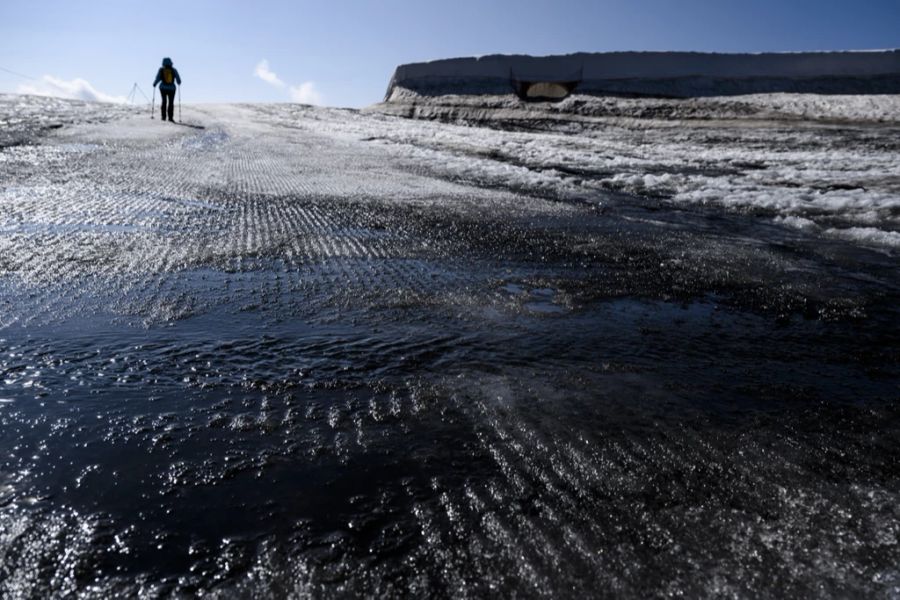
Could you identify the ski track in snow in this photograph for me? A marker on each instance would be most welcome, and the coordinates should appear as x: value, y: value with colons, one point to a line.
x: 316, y: 352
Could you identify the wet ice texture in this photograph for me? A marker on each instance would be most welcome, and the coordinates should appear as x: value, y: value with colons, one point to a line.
x: 316, y: 352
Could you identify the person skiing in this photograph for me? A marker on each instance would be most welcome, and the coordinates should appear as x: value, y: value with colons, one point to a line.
x: 166, y: 77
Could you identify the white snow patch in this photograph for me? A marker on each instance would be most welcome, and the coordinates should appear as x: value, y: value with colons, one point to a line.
x: 867, y: 235
x: 797, y: 223
x: 263, y: 71
x: 76, y: 89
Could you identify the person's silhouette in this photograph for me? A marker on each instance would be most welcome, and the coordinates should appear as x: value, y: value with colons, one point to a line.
x: 167, y: 77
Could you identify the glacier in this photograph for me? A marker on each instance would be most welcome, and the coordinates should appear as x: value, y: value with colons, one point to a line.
x: 451, y: 346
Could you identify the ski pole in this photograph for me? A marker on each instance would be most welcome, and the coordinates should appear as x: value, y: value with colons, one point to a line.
x: 153, y: 103
x: 179, y: 104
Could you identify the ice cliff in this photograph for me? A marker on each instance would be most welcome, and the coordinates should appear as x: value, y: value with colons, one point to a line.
x: 657, y: 74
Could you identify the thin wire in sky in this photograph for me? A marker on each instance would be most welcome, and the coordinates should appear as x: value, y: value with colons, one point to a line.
x: 17, y: 74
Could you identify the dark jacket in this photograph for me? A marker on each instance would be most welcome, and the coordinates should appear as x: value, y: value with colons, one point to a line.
x: 167, y: 64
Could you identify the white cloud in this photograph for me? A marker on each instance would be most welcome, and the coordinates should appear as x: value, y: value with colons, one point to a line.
x: 306, y: 93
x: 77, y: 89
x: 263, y: 72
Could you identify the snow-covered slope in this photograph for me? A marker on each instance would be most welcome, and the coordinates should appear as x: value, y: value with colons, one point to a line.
x: 24, y: 117
x: 822, y: 164
x: 672, y: 74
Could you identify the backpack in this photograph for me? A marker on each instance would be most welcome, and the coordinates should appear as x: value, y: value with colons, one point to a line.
x: 168, y: 76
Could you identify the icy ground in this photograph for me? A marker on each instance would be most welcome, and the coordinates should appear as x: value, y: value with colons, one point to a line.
x: 625, y: 348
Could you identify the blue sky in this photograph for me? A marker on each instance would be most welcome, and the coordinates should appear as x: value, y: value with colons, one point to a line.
x: 343, y: 52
